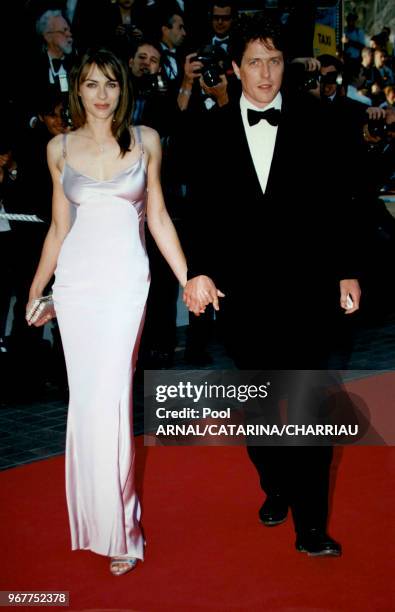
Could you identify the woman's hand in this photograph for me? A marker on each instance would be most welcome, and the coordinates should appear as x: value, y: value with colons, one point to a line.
x: 45, y: 317
x: 199, y: 292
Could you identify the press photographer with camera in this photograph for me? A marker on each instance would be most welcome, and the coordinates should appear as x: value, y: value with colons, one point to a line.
x: 204, y: 83
x: 379, y: 137
x: 125, y: 25
x: 157, y: 108
x: 150, y: 86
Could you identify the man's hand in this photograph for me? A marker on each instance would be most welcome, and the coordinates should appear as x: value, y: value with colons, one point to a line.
x: 350, y: 287
x: 199, y: 292
x: 375, y: 113
x: 311, y: 64
x: 218, y: 92
x: 192, y: 68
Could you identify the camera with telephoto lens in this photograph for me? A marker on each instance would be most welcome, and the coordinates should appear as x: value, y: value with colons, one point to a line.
x: 310, y: 80
x: 212, y: 58
x: 302, y: 79
x: 151, y: 84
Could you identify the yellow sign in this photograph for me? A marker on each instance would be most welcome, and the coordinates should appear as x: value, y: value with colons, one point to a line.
x: 324, y: 40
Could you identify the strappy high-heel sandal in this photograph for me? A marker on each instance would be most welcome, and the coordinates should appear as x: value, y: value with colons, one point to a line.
x: 128, y: 563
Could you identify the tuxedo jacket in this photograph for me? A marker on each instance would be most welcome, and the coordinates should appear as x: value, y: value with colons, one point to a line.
x: 294, y: 242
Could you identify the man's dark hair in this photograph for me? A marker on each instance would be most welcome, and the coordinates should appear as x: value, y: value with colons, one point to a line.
x: 145, y: 41
x: 260, y: 27
x: 222, y: 4
x: 330, y: 60
x: 166, y: 15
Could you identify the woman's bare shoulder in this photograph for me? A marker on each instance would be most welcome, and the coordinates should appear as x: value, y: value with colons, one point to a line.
x: 150, y: 138
x: 55, y: 151
x: 55, y: 145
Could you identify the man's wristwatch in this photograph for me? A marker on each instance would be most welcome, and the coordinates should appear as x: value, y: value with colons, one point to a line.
x: 13, y: 174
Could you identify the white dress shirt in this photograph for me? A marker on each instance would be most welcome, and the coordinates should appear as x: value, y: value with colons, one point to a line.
x: 261, y: 138
x: 221, y: 42
x: 170, y: 66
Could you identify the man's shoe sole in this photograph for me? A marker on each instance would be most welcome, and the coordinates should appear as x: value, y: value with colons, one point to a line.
x: 321, y: 553
x: 273, y: 523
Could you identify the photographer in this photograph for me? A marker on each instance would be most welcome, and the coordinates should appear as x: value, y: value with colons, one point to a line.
x: 379, y: 137
x: 222, y: 14
x: 152, y: 106
x: 204, y: 84
x: 125, y: 25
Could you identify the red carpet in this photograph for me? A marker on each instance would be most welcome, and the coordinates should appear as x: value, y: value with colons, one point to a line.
x: 206, y: 549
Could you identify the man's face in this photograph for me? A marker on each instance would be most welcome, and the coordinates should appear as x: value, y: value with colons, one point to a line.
x: 261, y: 72
x: 379, y: 59
x: 54, y: 121
x: 146, y: 59
x: 174, y: 36
x: 58, y: 37
x: 367, y: 57
x: 221, y: 20
x: 327, y: 89
x: 390, y: 96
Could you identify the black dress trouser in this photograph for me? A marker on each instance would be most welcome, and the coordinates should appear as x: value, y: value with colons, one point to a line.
x: 300, y: 474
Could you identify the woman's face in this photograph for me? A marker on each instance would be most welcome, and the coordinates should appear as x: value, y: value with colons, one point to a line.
x: 54, y: 121
x: 99, y: 93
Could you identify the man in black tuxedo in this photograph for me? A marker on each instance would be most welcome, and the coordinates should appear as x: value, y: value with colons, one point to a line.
x: 49, y: 66
x: 272, y: 230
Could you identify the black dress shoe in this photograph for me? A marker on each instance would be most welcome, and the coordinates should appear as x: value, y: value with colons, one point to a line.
x: 317, y: 543
x: 274, y: 511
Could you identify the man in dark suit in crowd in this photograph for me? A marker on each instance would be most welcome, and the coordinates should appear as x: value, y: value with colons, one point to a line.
x: 54, y: 63
x: 49, y: 66
x: 272, y: 230
x: 173, y: 34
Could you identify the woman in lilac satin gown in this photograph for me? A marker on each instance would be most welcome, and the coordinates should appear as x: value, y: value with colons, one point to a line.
x: 105, y: 181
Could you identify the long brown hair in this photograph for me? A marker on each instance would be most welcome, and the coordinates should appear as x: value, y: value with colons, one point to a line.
x: 113, y: 68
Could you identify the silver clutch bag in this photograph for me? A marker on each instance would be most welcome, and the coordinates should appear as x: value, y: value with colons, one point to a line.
x: 41, y: 307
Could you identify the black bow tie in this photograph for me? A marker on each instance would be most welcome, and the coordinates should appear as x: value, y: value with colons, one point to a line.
x: 56, y: 64
x: 272, y: 116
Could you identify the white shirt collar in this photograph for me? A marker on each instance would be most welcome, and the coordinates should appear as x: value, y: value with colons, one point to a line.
x: 217, y: 39
x: 275, y: 103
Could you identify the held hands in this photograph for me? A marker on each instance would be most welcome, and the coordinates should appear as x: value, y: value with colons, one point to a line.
x: 350, y: 288
x: 199, y: 292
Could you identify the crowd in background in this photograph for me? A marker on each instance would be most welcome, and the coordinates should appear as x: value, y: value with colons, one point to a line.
x: 178, y: 56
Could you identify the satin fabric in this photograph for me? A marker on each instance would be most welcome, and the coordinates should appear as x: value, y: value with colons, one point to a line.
x: 101, y: 287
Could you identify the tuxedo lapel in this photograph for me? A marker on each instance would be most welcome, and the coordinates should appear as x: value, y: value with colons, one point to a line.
x: 277, y: 165
x: 245, y: 164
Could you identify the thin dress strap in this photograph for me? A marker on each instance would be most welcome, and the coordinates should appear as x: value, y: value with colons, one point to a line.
x: 139, y: 140
x: 64, y: 150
